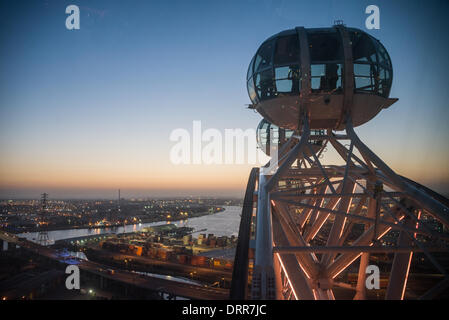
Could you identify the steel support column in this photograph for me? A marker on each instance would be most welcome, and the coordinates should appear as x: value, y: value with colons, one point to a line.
x: 263, y: 277
x: 400, y: 268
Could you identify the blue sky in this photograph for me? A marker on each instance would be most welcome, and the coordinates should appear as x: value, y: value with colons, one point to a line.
x: 101, y: 101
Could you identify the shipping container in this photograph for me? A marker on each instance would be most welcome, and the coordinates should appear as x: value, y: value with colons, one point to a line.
x: 138, y: 250
x: 182, y: 258
x: 202, y: 261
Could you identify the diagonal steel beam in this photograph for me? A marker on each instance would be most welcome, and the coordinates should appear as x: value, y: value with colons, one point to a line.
x: 435, y: 208
x: 308, y: 261
x: 344, y: 260
x: 291, y: 156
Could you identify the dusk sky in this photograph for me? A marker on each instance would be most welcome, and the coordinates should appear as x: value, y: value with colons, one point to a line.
x: 85, y: 112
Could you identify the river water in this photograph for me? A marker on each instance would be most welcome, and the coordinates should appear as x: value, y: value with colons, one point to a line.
x: 225, y: 223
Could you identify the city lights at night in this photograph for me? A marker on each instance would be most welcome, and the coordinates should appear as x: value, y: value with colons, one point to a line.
x: 210, y: 158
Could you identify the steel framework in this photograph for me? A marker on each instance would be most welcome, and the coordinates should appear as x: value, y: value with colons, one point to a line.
x: 42, y: 237
x: 316, y: 223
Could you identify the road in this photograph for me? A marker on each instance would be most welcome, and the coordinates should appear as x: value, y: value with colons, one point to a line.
x: 208, y: 274
x: 190, y: 291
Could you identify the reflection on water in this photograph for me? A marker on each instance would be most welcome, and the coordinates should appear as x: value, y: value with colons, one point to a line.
x: 224, y: 223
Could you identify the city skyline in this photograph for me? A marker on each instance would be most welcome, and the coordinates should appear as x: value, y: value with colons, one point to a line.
x: 86, y: 112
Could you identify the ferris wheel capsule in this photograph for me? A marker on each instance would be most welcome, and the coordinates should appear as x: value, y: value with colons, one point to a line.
x: 326, y: 72
x: 269, y: 135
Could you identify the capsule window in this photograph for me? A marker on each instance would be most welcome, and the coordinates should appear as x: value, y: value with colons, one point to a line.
x: 264, y: 134
x: 264, y: 84
x: 252, y: 91
x: 363, y: 49
x: 325, y: 47
x: 363, y: 84
x: 326, y: 55
x: 287, y: 50
x: 372, y: 66
x: 383, y: 55
x: 364, y: 70
x: 326, y: 77
x: 263, y: 56
x: 384, y: 81
x: 250, y: 69
x: 269, y: 135
x: 287, y: 79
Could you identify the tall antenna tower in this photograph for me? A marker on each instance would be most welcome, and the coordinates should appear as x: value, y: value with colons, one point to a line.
x: 42, y: 238
x: 118, y: 208
x: 119, y: 211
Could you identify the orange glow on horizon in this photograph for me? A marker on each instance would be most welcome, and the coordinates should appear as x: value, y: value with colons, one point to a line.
x: 156, y: 177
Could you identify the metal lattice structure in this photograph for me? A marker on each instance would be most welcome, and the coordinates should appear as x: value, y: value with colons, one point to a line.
x: 308, y: 214
x: 42, y: 237
x: 312, y: 227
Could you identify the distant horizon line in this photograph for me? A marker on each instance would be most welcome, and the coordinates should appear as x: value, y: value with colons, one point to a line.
x: 112, y: 194
x: 204, y: 197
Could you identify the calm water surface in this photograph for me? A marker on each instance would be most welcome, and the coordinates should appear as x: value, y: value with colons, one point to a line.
x: 225, y: 223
